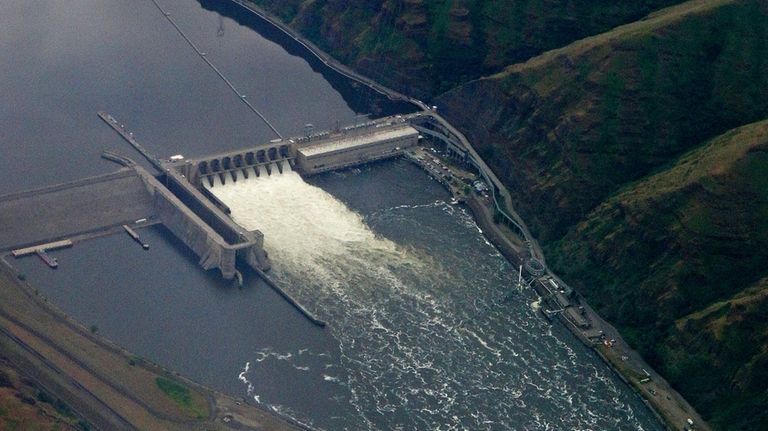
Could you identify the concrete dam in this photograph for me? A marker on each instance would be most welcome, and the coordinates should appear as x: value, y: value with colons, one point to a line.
x: 307, y: 155
x: 190, y: 180
x: 179, y: 197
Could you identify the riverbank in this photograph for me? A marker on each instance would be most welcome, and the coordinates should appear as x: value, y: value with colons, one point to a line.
x: 103, y: 384
x: 669, y: 407
x: 663, y: 400
x: 325, y: 57
x: 457, y: 182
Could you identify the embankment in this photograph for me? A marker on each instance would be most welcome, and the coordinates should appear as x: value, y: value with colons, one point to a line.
x: 104, y: 384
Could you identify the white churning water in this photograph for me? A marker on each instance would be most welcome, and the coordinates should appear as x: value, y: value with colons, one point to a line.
x: 306, y: 230
x: 428, y: 335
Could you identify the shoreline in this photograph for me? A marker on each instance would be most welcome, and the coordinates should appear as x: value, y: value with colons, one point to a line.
x: 326, y: 58
x: 650, y: 393
x: 482, y: 215
x: 103, y: 382
x: 647, y: 392
x: 681, y: 410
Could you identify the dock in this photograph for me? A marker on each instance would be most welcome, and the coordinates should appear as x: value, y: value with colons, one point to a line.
x: 132, y: 233
x: 41, y: 248
x: 50, y: 261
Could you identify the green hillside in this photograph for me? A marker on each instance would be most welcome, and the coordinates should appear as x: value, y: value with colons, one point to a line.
x: 425, y: 47
x: 610, y: 147
x: 639, y: 156
x: 679, y: 261
x: 567, y: 129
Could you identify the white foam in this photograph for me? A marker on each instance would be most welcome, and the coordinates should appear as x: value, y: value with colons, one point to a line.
x: 412, y: 338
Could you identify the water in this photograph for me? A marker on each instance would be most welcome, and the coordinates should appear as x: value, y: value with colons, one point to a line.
x: 61, y: 62
x: 425, y: 332
x: 431, y: 334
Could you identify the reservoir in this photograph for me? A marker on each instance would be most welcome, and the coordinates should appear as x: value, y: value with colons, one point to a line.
x: 425, y: 329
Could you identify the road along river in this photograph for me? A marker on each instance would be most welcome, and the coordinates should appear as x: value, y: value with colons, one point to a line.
x: 425, y: 329
x: 431, y: 334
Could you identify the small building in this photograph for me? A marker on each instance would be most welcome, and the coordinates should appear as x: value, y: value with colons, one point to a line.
x: 562, y: 301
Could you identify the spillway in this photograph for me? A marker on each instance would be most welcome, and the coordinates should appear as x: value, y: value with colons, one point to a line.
x: 429, y: 336
x: 306, y: 229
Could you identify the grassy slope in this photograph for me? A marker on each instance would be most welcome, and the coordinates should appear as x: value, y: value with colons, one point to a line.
x: 567, y: 129
x: 609, y: 146
x: 678, y: 261
x: 192, y: 403
x: 430, y: 46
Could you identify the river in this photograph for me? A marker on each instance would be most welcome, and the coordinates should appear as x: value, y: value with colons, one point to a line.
x: 425, y: 329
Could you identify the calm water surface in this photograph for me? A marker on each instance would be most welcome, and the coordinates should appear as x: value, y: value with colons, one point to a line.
x: 425, y: 331
x: 61, y: 62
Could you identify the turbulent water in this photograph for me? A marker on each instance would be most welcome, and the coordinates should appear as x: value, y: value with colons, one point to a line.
x: 424, y: 330
x: 431, y: 336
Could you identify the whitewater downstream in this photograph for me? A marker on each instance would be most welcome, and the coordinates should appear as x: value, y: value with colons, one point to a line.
x: 431, y: 333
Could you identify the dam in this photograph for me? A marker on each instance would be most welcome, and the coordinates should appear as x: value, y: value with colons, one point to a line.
x: 308, y: 155
x: 424, y: 331
x: 190, y: 181
x: 179, y: 195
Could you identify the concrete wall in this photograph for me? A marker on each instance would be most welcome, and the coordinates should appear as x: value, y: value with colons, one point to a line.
x: 73, y: 208
x: 205, y: 243
x: 225, y: 167
x: 98, y: 203
x: 229, y: 176
x: 224, y: 164
x: 210, y: 233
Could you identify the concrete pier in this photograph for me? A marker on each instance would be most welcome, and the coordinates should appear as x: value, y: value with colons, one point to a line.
x: 134, y: 236
x: 128, y: 136
x: 41, y: 247
x: 271, y: 283
x: 50, y: 261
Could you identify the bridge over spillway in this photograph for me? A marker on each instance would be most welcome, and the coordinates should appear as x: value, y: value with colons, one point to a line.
x: 308, y: 155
